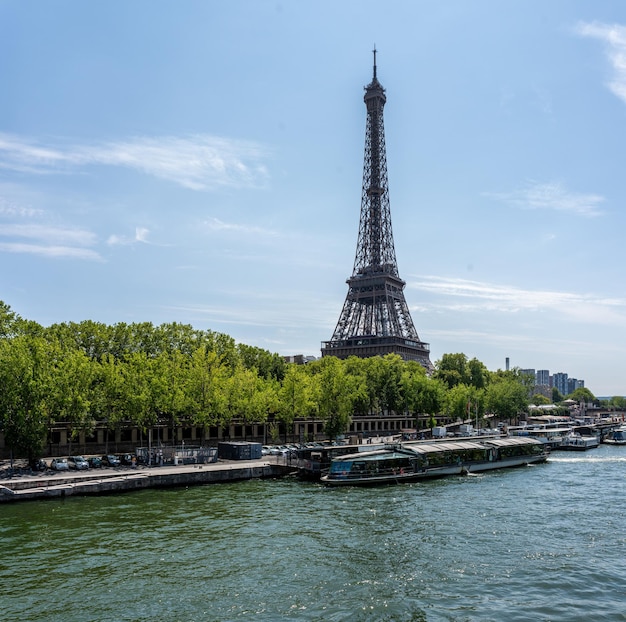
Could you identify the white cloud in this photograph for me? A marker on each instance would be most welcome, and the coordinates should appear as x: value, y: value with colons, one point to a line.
x: 141, y: 235
x: 52, y: 235
x: 50, y: 251
x: 552, y: 196
x: 465, y: 296
x: 215, y: 224
x: 10, y: 208
x: 614, y: 36
x: 48, y: 241
x: 198, y: 162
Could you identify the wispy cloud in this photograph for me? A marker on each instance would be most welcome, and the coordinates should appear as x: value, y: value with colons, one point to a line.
x: 48, y: 241
x: 551, y: 196
x: 614, y: 36
x: 215, y: 224
x: 51, y: 235
x: 12, y: 209
x: 198, y: 162
x: 141, y: 235
x: 461, y: 295
x: 71, y: 252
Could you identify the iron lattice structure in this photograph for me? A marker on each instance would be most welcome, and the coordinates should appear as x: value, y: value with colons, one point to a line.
x: 375, y: 318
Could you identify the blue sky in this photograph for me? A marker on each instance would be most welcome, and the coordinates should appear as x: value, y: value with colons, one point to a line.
x: 201, y: 162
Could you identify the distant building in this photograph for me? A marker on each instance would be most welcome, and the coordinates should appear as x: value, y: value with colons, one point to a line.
x: 299, y: 359
x: 560, y: 382
x: 543, y: 389
x: 542, y: 378
x: 573, y: 384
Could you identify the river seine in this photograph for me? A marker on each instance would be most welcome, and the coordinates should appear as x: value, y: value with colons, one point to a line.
x: 545, y: 542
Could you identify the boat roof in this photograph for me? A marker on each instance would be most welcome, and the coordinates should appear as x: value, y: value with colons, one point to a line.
x: 513, y: 440
x: 420, y: 448
x: 429, y: 448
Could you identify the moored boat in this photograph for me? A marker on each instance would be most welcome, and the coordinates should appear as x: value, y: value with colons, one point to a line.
x: 617, y: 437
x: 552, y: 435
x: 578, y: 442
x: 410, y: 462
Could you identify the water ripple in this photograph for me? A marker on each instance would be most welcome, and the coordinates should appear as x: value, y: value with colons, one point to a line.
x: 542, y: 543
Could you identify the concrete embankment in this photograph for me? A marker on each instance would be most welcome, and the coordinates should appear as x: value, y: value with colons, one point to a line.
x: 108, y: 481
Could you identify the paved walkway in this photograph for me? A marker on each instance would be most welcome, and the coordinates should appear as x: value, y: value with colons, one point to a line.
x: 107, y: 480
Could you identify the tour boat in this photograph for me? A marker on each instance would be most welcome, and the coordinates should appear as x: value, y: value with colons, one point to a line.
x: 411, y: 462
x: 577, y: 442
x: 618, y: 437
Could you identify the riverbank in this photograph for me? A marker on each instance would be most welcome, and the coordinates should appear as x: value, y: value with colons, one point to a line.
x: 107, y: 481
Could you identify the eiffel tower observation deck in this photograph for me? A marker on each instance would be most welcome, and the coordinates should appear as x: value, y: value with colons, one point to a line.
x: 375, y: 318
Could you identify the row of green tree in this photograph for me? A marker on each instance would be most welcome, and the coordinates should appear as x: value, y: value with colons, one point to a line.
x: 142, y: 375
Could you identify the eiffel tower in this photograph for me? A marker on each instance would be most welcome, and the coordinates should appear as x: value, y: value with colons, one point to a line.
x: 375, y: 318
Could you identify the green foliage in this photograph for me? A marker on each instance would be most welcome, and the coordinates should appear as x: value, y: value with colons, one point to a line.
x: 25, y: 398
x: 618, y: 401
x: 266, y: 364
x: 143, y: 375
x: 296, y: 394
x: 9, y: 321
x: 539, y: 399
x: 465, y: 402
x: 451, y: 369
x: 420, y: 393
x: 582, y: 394
x: 557, y: 396
x: 507, y: 396
x: 333, y: 394
x: 454, y: 369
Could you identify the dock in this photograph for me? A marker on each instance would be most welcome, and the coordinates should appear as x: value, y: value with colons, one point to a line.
x: 108, y: 481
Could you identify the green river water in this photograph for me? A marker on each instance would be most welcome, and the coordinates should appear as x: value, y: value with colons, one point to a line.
x: 544, y: 542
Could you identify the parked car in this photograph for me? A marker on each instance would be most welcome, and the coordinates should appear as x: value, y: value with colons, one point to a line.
x: 59, y: 464
x: 110, y: 460
x: 95, y: 462
x: 78, y: 463
x: 127, y: 459
x: 39, y: 465
x: 279, y: 450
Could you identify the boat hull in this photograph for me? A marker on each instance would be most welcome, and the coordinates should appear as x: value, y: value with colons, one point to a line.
x: 397, y: 467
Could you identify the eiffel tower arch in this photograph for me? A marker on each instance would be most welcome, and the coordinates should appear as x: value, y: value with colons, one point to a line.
x: 375, y: 318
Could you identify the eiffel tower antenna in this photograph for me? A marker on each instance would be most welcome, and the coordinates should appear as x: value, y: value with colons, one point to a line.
x: 375, y: 318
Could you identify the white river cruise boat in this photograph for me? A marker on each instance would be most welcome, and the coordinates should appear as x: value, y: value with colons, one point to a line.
x: 411, y: 462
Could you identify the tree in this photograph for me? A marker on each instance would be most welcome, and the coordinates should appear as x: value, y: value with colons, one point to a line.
x: 465, y: 402
x: 506, y: 397
x: 25, y: 379
x: 207, y: 379
x: 540, y: 400
x: 363, y: 397
x: 478, y: 374
x: 557, y: 396
x: 389, y: 389
x: 333, y: 394
x: 618, y: 401
x: 452, y: 369
x: 296, y: 397
x: 245, y: 395
x: 266, y: 364
x: 582, y: 394
x: 420, y: 393
x: 70, y: 390
x: 139, y: 395
x: 107, y: 392
x: 9, y: 321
